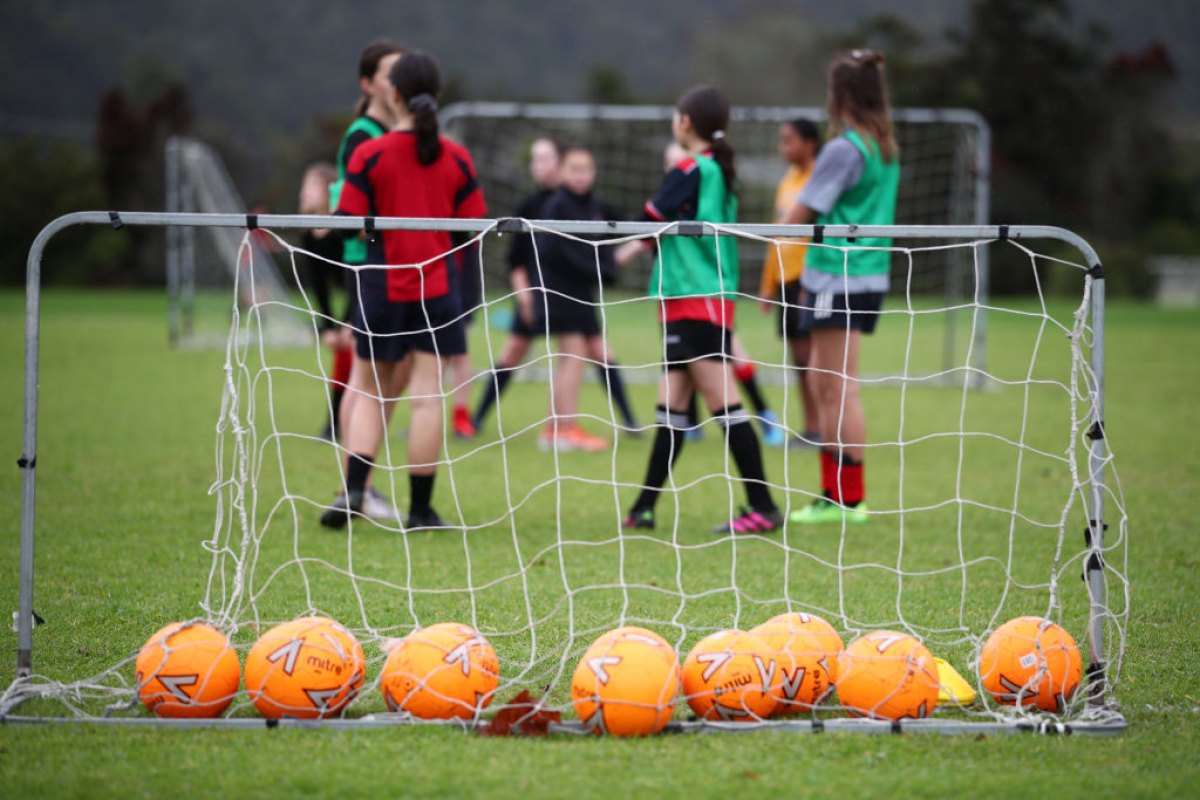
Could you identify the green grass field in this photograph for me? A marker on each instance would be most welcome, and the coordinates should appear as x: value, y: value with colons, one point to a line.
x: 126, y: 458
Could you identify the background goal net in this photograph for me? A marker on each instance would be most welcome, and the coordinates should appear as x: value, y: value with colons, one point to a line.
x: 984, y: 505
x: 944, y: 162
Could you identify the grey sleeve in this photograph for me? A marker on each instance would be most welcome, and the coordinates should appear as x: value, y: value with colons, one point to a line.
x: 838, y: 167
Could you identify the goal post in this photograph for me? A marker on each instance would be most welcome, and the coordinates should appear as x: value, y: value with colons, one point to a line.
x: 552, y: 601
x: 945, y: 167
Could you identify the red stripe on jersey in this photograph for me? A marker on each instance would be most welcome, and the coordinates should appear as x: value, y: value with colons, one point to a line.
x: 687, y: 165
x: 705, y: 309
x: 654, y: 212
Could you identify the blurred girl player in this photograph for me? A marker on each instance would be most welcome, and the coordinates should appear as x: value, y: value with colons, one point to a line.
x: 799, y: 143
x: 373, y: 116
x: 854, y: 181
x: 696, y: 280
x: 414, y: 307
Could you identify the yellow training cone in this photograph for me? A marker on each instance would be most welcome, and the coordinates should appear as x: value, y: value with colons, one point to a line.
x: 954, y: 688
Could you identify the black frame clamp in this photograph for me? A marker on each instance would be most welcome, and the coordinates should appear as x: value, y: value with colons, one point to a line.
x: 690, y: 227
x: 369, y: 228
x: 818, y: 234
x: 510, y: 225
x: 115, y: 220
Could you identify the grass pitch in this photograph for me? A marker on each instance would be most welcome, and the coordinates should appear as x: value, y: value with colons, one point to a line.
x: 125, y: 459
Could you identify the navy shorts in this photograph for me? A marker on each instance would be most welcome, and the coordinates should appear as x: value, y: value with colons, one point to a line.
x: 857, y: 311
x: 433, y: 325
x: 689, y: 340
x: 557, y: 314
x: 790, y: 313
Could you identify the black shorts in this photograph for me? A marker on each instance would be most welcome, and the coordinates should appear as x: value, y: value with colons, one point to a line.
x: 554, y: 314
x: 856, y: 311
x: 433, y: 325
x: 789, y: 313
x: 470, y: 288
x: 689, y: 340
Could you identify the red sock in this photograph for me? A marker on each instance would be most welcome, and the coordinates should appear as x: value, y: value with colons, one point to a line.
x: 744, y: 371
x: 843, y: 484
x: 342, y: 360
x: 462, y: 414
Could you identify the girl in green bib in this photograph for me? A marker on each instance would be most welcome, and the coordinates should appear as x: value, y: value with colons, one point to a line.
x: 854, y: 181
x: 695, y: 280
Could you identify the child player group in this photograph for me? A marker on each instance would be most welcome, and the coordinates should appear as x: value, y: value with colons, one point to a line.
x: 410, y: 324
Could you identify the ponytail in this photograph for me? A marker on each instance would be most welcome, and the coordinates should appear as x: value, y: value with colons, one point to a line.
x: 708, y: 110
x: 722, y: 153
x: 418, y: 80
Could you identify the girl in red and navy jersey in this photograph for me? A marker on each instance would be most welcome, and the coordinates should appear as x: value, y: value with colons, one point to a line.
x: 415, y: 306
x: 696, y: 280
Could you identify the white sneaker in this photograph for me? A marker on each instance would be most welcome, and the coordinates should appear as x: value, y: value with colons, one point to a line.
x: 378, y: 506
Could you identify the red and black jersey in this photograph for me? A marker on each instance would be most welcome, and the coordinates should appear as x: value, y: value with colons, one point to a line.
x: 385, y: 179
x: 679, y: 194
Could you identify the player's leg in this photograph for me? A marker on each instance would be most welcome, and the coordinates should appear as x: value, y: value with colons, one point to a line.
x: 834, y: 359
x: 563, y: 428
x: 424, y: 437
x: 366, y: 425
x: 675, y: 390
x: 512, y: 355
x: 801, y: 347
x: 714, y: 381
x: 746, y: 373
x: 460, y: 377
x: 610, y: 376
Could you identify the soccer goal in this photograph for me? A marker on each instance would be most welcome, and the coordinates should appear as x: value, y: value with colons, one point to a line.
x: 202, y: 269
x: 944, y: 156
x: 985, y: 507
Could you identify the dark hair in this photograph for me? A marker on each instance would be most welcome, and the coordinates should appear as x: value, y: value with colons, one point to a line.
x: 565, y: 151
x: 858, y: 98
x: 418, y: 79
x: 708, y: 110
x: 368, y: 64
x: 805, y: 128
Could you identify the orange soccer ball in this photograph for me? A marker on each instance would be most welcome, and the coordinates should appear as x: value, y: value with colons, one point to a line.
x: 626, y: 683
x: 803, y: 665
x: 308, y: 668
x: 826, y: 635
x: 732, y: 675
x: 187, y: 669
x: 887, y: 675
x: 445, y: 671
x: 1031, y: 660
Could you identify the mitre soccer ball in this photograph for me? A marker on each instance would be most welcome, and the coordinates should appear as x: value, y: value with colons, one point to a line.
x: 803, y: 666
x: 887, y: 675
x: 308, y: 668
x: 1031, y: 660
x: 445, y: 671
x: 187, y: 669
x: 626, y: 683
x: 826, y: 635
x: 732, y: 675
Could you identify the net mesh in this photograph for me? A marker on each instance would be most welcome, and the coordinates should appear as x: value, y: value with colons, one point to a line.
x: 979, y: 502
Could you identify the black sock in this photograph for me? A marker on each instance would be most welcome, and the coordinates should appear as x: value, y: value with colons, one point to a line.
x: 750, y: 385
x: 668, y: 442
x: 492, y: 389
x: 358, y: 469
x: 421, y: 491
x: 693, y: 412
x: 610, y: 376
x: 743, y: 446
x: 335, y: 403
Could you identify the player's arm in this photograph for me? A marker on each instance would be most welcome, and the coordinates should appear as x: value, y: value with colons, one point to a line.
x: 839, y: 166
x: 677, y: 198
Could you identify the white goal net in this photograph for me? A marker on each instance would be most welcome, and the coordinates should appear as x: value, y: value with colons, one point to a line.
x: 984, y: 506
x: 944, y: 155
